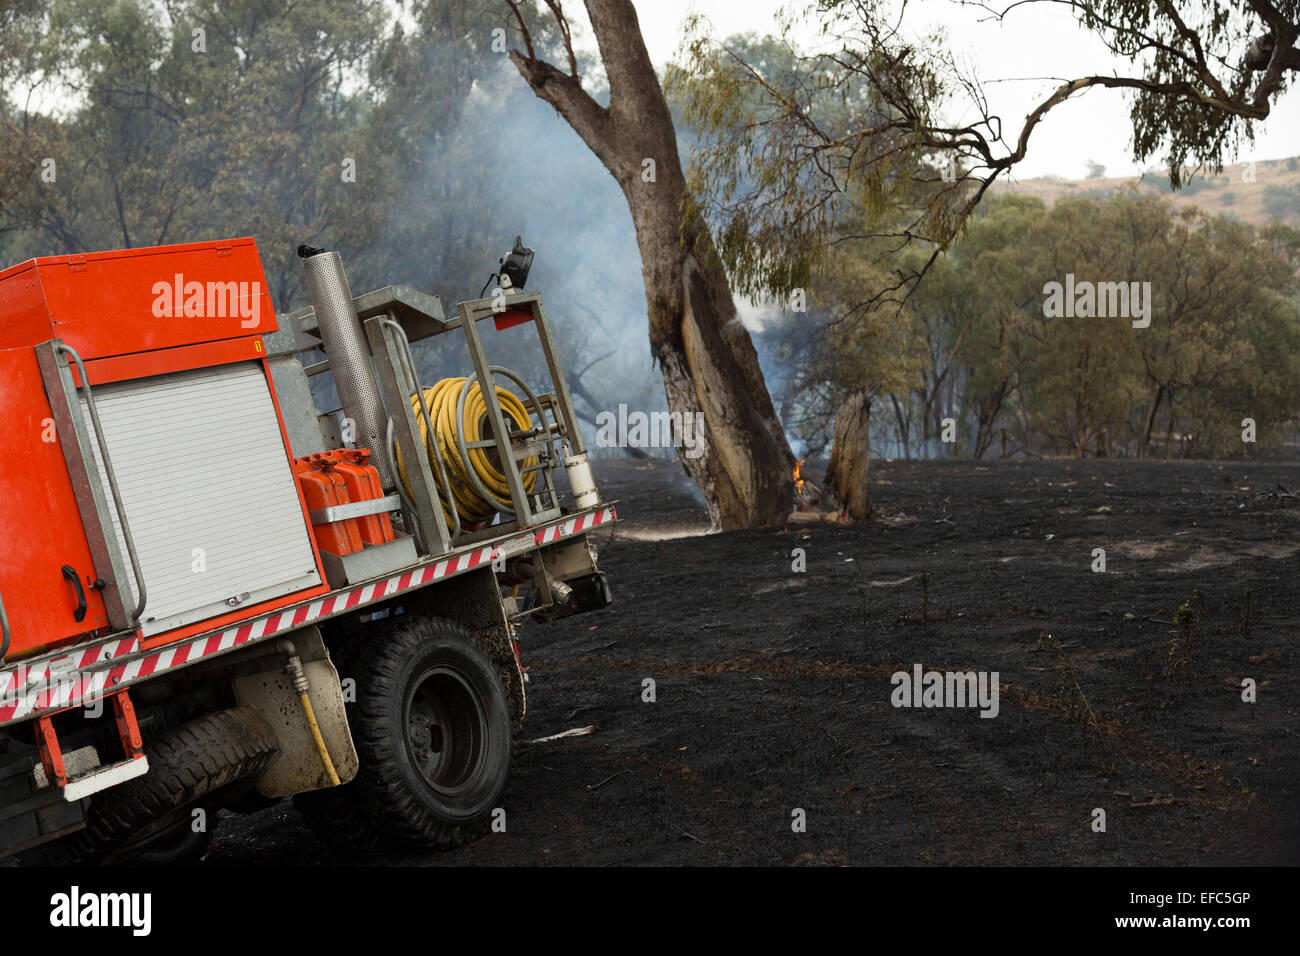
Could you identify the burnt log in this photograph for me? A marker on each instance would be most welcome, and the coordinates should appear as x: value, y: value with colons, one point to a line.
x: 846, y: 475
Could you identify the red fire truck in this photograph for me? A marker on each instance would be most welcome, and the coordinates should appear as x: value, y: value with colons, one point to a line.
x: 214, y: 594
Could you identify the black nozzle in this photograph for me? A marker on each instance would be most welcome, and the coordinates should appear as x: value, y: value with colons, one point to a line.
x: 306, y: 252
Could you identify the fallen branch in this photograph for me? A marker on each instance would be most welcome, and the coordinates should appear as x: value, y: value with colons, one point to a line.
x: 613, y: 776
x: 575, y: 732
x: 690, y: 836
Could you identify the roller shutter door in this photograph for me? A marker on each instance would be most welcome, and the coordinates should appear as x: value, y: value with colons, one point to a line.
x: 208, y: 491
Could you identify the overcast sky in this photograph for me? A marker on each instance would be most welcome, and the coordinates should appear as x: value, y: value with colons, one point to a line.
x: 1036, y: 40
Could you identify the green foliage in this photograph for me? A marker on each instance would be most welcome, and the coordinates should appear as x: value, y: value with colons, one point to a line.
x: 974, y: 341
x: 835, y: 348
x: 158, y: 142
x: 1180, y: 46
x: 252, y: 125
x: 801, y: 151
x: 1283, y: 202
x: 797, y: 151
x: 1222, y: 343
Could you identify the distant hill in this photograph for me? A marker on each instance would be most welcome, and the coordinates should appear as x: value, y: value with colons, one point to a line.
x: 1274, y: 196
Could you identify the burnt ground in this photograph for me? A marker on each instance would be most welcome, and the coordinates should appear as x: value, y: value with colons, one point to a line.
x: 773, y: 687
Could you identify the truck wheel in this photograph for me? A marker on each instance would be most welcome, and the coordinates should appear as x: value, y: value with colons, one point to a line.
x: 148, y: 820
x: 432, y: 729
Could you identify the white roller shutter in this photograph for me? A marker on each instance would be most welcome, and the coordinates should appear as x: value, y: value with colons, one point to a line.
x: 208, y: 492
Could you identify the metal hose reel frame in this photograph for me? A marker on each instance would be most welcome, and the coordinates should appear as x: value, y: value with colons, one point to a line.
x: 502, y: 506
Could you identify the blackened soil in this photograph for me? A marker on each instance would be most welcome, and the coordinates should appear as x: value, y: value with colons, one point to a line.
x: 772, y: 687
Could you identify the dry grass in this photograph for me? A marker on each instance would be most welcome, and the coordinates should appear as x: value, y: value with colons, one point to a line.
x: 1224, y: 194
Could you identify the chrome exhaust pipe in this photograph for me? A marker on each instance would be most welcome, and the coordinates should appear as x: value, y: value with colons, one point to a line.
x: 348, y: 354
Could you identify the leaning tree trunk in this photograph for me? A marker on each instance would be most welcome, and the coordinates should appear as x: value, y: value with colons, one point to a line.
x: 709, y: 364
x: 846, y: 475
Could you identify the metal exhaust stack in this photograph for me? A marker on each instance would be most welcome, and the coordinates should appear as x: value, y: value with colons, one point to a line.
x: 349, y: 356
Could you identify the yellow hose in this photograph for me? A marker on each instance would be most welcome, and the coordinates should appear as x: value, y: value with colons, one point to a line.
x: 441, y: 401
x: 320, y: 741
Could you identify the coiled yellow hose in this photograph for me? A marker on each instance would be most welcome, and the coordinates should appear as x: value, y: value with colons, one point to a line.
x: 441, y: 400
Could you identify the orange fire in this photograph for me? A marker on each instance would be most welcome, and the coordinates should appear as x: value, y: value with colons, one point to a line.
x: 798, y: 472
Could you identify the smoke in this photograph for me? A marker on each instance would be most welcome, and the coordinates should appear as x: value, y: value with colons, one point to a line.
x: 513, y: 166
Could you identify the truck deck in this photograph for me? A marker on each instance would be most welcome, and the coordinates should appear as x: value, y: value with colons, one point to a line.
x: 72, y: 676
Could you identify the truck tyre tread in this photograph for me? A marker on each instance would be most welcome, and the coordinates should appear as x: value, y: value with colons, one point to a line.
x: 384, y: 809
x: 186, y: 765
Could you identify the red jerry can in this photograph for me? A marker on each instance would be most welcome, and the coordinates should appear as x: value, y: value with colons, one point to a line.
x: 363, y: 484
x: 324, y: 486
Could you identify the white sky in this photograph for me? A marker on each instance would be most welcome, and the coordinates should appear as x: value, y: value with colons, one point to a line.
x: 1036, y: 40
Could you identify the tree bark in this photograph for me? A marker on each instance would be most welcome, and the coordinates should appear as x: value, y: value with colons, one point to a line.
x: 1151, y: 421
x: 903, y: 427
x: 709, y: 364
x: 846, y: 475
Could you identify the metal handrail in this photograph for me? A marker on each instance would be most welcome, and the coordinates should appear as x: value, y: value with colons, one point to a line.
x: 112, y: 476
x: 408, y: 361
x: 4, y: 632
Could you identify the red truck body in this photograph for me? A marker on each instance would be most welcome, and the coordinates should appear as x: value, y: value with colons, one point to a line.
x: 187, y: 541
x: 125, y: 314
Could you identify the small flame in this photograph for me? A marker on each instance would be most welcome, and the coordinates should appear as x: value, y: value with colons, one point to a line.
x: 798, y: 475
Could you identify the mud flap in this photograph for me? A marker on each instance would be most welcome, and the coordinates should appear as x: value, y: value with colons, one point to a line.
x: 271, y: 694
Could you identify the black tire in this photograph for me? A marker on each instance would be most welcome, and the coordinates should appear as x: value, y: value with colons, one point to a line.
x: 432, y: 730
x: 147, y: 820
